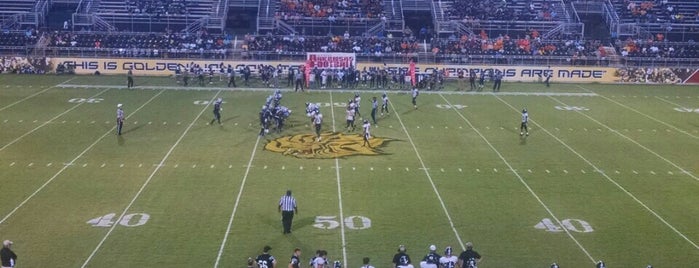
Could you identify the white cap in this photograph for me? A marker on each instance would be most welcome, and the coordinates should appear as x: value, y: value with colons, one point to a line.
x: 433, y: 247
x: 7, y: 243
x: 119, y: 105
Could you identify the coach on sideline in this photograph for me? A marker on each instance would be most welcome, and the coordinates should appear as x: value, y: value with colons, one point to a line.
x: 287, y: 206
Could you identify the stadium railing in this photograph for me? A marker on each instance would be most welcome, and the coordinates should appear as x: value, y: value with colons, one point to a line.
x: 389, y: 58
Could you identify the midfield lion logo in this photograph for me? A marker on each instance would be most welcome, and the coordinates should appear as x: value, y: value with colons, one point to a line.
x: 331, y: 145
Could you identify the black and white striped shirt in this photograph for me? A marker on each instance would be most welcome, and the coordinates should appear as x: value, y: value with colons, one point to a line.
x: 287, y: 203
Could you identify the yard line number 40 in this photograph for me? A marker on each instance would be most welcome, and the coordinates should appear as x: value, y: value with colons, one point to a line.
x: 573, y: 225
x: 129, y: 220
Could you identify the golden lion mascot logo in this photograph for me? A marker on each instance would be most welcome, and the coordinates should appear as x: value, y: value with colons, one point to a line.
x: 331, y: 145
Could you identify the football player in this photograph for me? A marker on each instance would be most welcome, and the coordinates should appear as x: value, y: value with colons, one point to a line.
x: 384, y: 105
x: 448, y: 260
x: 350, y: 118
x: 402, y: 259
x: 525, y: 119
x: 431, y: 260
x: 317, y: 123
x: 266, y: 260
x: 374, y: 106
x: 366, y: 133
x: 357, y: 100
x: 415, y: 94
x: 217, y: 111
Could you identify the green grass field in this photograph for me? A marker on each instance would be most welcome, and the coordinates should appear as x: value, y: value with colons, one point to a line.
x: 609, y: 172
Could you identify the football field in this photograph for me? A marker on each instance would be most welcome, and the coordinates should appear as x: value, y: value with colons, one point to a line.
x: 608, y: 172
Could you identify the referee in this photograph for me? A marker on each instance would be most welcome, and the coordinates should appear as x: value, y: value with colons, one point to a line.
x: 287, y: 206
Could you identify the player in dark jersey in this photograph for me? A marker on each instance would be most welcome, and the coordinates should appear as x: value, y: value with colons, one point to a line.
x: 266, y: 260
x: 129, y: 78
x: 469, y: 258
x: 374, y: 106
x: 217, y: 111
x: 431, y: 260
x: 402, y: 259
x: 295, y: 259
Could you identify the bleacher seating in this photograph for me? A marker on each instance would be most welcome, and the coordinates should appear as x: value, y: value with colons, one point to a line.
x: 154, y: 15
x: 14, y: 7
x: 322, y: 16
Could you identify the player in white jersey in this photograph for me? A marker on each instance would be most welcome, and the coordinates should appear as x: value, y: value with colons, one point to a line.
x: 448, y: 260
x: 318, y: 122
x: 357, y: 100
x: 523, y: 130
x: 119, y: 118
x: 350, y: 118
x: 366, y: 133
x: 384, y: 105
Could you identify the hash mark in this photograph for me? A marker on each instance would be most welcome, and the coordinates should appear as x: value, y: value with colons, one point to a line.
x: 212, y: 166
x: 634, y: 172
x: 460, y: 170
x: 230, y: 166
x: 670, y: 173
x: 195, y: 165
x: 265, y: 167
x: 353, y: 168
x: 122, y: 165
x: 529, y: 170
x: 406, y: 169
x: 38, y: 121
x: 103, y: 165
x: 495, y: 169
x: 49, y: 164
x: 300, y: 167
x: 441, y: 169
x: 478, y: 170
x: 371, y: 168
x: 150, y: 123
x: 84, y: 165
x: 565, y: 171
x: 283, y: 167
x: 140, y: 165
x: 652, y: 172
x: 23, y: 121
x: 583, y: 171
x: 617, y: 172
x: 30, y: 164
x: 318, y: 167
x: 389, y: 169
x: 547, y: 171
x: 177, y: 165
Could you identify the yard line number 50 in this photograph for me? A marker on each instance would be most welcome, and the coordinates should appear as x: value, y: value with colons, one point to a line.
x: 352, y: 222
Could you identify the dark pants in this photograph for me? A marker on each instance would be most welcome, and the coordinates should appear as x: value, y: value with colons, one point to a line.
x: 129, y: 82
x: 120, y: 124
x: 217, y: 117
x: 299, y: 84
x: 496, y: 85
x: 287, y: 216
x: 373, y: 115
x: 231, y: 81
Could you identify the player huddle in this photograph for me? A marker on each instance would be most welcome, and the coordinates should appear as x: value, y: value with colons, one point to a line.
x: 273, y: 114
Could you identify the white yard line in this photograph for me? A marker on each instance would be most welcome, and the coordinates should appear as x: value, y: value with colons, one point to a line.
x: 73, y: 161
x: 35, y: 94
x: 49, y: 121
x: 339, y: 192
x: 138, y: 194
x: 237, y: 202
x: 429, y: 177
x: 608, y: 178
x: 521, y: 180
x: 643, y: 114
x: 673, y: 103
x: 633, y: 141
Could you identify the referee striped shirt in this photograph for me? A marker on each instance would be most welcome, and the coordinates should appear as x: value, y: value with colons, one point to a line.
x: 287, y: 203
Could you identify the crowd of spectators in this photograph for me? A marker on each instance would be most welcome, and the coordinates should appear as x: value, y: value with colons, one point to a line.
x: 157, y: 7
x: 26, y: 38
x: 530, y: 44
x: 502, y: 10
x: 332, y: 10
x: 145, y: 44
x: 656, y: 47
x: 345, y: 43
x: 657, y: 11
